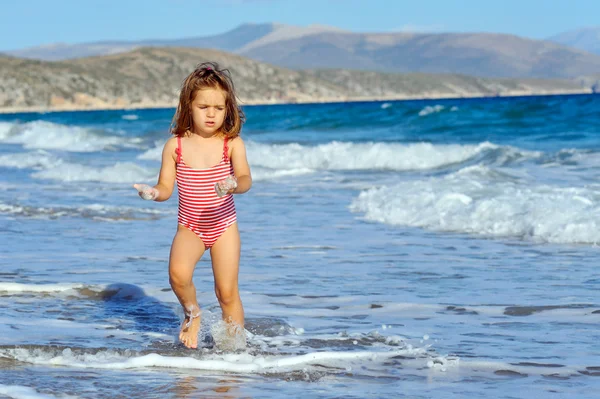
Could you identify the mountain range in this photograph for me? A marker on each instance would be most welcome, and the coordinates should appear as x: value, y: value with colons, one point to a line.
x: 324, y: 47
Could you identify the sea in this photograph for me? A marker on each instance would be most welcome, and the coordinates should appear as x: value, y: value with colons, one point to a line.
x: 398, y: 249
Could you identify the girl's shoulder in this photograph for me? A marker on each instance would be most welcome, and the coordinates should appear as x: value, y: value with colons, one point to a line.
x: 170, y: 148
x: 235, y: 142
x: 171, y: 143
x: 236, y: 145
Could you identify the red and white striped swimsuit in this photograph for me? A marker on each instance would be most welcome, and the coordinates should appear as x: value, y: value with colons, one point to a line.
x: 200, y: 209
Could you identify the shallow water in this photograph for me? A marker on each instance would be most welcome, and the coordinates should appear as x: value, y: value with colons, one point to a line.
x: 407, y: 249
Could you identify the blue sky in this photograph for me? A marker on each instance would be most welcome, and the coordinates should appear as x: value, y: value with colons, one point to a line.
x: 37, y: 22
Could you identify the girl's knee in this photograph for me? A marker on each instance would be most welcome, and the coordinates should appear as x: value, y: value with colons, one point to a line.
x: 179, y: 279
x: 227, y: 295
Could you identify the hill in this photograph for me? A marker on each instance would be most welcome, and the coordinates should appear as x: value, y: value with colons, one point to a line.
x: 151, y: 77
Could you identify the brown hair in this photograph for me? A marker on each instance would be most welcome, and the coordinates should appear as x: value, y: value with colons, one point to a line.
x: 208, y: 75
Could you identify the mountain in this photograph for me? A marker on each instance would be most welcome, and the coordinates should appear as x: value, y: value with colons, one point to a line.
x: 316, y: 46
x: 231, y: 41
x: 587, y: 39
x: 478, y: 54
x: 63, y: 51
x: 151, y: 77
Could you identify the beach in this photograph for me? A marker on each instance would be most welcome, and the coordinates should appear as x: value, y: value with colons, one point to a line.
x: 417, y: 248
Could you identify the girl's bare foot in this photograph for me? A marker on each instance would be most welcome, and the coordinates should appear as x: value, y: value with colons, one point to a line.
x: 228, y: 336
x: 190, y: 327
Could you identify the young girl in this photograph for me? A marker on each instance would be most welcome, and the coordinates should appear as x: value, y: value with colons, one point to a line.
x: 207, y: 158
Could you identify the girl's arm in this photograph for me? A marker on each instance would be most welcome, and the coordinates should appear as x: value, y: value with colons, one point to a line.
x: 166, y: 179
x: 240, y: 166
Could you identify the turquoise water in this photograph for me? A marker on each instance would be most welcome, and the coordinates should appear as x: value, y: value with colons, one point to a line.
x: 443, y: 248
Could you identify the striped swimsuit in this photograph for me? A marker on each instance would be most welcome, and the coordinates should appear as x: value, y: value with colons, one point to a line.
x: 200, y: 209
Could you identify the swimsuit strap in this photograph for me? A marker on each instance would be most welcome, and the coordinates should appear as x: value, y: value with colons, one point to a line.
x: 178, y: 150
x: 225, y: 150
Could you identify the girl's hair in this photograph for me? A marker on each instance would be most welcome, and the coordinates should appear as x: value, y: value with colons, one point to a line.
x: 208, y: 76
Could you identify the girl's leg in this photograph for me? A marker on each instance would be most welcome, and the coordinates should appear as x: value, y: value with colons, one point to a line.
x: 225, y: 254
x: 186, y: 251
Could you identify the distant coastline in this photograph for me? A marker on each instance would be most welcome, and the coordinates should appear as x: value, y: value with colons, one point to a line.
x: 151, y: 77
x: 256, y: 102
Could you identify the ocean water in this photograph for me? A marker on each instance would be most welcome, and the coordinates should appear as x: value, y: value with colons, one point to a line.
x: 419, y: 249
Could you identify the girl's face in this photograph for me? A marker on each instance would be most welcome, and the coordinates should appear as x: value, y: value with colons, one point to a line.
x: 208, y: 111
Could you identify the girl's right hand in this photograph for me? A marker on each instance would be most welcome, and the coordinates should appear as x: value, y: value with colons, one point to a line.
x: 146, y: 192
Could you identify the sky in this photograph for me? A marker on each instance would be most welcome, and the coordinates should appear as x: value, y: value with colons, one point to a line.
x: 40, y: 22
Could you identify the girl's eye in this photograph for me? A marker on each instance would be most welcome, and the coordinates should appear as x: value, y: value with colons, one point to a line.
x: 220, y: 108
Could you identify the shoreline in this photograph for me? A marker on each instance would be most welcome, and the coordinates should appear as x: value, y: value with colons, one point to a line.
x: 333, y: 100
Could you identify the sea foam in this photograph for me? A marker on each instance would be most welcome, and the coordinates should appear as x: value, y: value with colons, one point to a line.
x: 342, y: 156
x: 229, y: 362
x: 23, y: 392
x: 48, y: 135
x: 34, y: 159
x: 121, y: 172
x: 475, y: 201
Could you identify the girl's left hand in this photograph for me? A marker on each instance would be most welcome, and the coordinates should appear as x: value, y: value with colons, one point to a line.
x: 226, y: 186
x: 146, y: 192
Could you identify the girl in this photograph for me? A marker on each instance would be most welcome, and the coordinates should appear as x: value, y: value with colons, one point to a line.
x: 207, y: 158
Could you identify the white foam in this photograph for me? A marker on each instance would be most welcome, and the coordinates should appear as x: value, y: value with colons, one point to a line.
x: 477, y: 200
x: 153, y: 154
x: 23, y: 392
x: 431, y: 109
x: 361, y: 156
x: 260, y: 173
x: 20, y: 287
x: 5, y: 128
x: 297, y: 159
x: 95, y: 211
x: 121, y: 172
x: 118, y: 290
x: 435, y: 109
x: 52, y: 136
x: 241, y: 363
x: 130, y: 117
x: 36, y: 159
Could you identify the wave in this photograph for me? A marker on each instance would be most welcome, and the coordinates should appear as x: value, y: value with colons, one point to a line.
x: 52, y: 136
x: 39, y: 288
x: 30, y: 160
x: 365, y: 156
x: 427, y: 110
x: 121, y: 172
x: 92, y: 211
x: 232, y: 362
x: 88, y: 291
x: 273, y: 161
x: 476, y: 200
x: 379, y: 156
x: 313, y: 365
x: 23, y: 392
